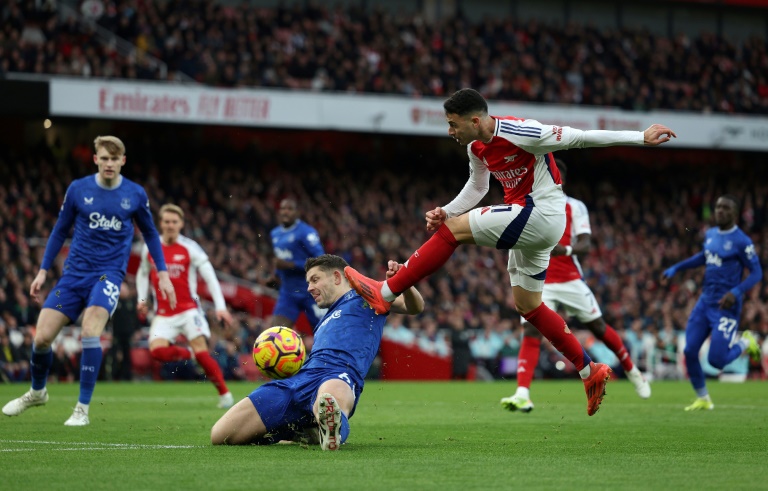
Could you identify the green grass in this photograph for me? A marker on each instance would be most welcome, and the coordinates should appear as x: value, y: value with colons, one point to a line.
x: 446, y: 436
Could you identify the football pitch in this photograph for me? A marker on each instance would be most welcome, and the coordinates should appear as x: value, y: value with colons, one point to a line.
x: 419, y: 435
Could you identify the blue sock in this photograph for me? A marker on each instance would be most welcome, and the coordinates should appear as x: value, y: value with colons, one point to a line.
x: 41, y: 365
x: 90, y: 363
x: 696, y: 374
x: 344, y: 432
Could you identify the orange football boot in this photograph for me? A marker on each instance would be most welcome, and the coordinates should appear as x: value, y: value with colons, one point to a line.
x: 369, y: 289
x: 595, y: 385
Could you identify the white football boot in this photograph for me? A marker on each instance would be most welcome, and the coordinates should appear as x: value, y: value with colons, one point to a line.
x: 79, y: 417
x: 329, y: 419
x: 642, y: 387
x: 28, y: 400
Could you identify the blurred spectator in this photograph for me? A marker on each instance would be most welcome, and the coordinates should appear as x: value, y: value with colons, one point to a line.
x: 65, y: 366
x: 225, y: 353
x: 13, y: 367
x: 485, y: 346
x: 430, y: 339
x: 312, y: 46
x: 460, y: 338
x: 649, y: 214
x: 396, y: 331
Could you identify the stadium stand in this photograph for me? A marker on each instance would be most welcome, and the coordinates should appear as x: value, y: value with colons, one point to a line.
x: 645, y: 217
x: 310, y: 46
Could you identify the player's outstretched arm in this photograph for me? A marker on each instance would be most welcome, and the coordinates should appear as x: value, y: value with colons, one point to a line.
x: 410, y: 302
x: 37, y: 285
x: 656, y: 134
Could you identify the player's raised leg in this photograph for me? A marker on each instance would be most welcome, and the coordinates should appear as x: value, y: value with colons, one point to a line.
x: 49, y: 324
x: 430, y: 257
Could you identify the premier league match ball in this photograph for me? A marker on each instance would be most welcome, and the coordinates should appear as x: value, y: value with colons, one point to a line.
x: 278, y: 352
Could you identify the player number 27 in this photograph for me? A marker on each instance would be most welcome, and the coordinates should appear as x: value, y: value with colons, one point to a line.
x: 727, y: 326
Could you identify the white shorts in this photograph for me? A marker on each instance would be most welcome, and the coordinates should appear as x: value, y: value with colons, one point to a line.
x: 526, y: 232
x: 574, y: 297
x: 191, y: 323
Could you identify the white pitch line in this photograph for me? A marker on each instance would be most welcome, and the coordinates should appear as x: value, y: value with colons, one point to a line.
x: 104, y: 445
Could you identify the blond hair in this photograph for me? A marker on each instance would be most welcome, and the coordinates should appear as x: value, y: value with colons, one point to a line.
x: 111, y: 144
x: 171, y: 208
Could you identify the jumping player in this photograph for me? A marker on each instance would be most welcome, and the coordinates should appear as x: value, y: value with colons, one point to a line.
x: 517, y: 152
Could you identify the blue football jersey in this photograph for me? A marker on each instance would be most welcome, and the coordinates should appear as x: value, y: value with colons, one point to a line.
x: 726, y: 255
x: 296, y: 243
x: 103, y: 227
x: 348, y: 336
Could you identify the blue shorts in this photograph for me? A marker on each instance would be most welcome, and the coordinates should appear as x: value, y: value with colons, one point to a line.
x: 291, y: 303
x: 73, y: 294
x: 288, y: 402
x: 708, y: 320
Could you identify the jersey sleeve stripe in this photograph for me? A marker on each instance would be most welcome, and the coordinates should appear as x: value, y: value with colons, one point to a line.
x: 530, y: 134
x: 514, y: 128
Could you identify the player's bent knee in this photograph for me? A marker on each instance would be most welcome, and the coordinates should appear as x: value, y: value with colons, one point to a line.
x: 225, y: 432
x: 459, y: 227
x: 717, y: 362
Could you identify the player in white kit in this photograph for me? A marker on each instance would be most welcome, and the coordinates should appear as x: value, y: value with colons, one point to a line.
x: 517, y: 152
x: 184, y: 258
x: 564, y: 287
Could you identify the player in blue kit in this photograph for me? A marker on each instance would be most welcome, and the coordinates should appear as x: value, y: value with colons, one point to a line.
x: 293, y: 242
x: 102, y: 208
x: 727, y: 252
x: 325, y: 392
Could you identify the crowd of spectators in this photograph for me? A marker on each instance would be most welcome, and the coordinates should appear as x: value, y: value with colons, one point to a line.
x: 369, y: 208
x: 311, y: 46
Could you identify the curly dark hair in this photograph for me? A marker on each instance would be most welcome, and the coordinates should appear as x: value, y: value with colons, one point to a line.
x: 464, y: 102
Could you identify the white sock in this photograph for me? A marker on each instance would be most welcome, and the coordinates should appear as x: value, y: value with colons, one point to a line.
x: 585, y: 372
x: 37, y: 393
x: 387, y: 293
x: 82, y: 406
x: 524, y: 392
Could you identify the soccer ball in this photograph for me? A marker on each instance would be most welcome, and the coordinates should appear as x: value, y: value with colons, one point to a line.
x: 279, y: 352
